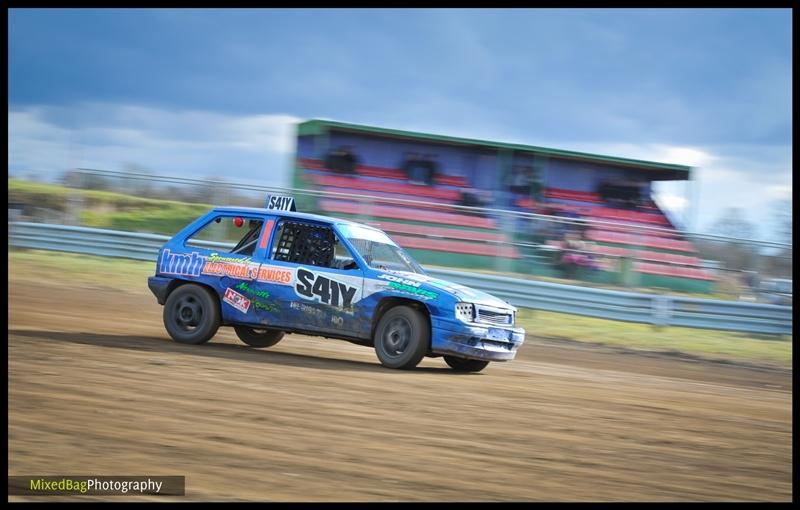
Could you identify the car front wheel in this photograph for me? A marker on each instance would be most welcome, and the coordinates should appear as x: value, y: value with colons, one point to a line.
x: 402, y: 338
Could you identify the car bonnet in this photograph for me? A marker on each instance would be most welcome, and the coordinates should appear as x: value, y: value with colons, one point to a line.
x: 461, y: 292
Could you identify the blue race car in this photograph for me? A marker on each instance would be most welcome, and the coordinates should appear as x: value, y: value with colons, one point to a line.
x: 291, y: 272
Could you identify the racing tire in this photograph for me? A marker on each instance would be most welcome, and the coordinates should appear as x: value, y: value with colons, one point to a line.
x: 402, y: 338
x: 465, y: 365
x: 255, y: 337
x: 191, y: 314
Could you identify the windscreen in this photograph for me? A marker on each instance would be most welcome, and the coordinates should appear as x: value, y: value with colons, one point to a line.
x: 378, y: 250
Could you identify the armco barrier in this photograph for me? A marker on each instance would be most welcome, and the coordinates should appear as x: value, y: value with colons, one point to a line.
x: 644, y: 308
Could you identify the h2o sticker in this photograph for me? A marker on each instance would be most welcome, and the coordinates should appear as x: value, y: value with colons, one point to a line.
x: 317, y: 287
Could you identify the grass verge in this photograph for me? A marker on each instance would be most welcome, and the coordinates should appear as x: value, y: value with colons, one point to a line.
x: 704, y: 343
x: 77, y: 269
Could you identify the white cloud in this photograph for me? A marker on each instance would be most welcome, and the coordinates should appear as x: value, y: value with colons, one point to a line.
x: 49, y: 140
x: 683, y: 155
x: 663, y: 153
x: 673, y: 202
x: 779, y: 192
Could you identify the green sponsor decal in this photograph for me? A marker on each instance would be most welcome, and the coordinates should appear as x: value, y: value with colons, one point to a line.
x: 254, y: 295
x: 215, y: 257
x: 247, y: 289
x: 413, y: 290
x: 269, y: 307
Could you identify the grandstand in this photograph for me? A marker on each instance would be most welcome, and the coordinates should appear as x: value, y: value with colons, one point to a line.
x: 634, y: 240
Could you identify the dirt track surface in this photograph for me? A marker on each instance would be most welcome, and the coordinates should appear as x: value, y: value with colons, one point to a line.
x: 97, y: 387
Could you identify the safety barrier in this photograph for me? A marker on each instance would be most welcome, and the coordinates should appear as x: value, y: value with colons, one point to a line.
x: 656, y: 309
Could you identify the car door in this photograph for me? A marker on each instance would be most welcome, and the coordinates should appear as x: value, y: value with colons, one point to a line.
x: 313, y: 279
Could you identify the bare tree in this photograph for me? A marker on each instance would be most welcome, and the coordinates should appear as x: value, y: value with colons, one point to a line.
x: 141, y: 187
x: 71, y: 178
x: 733, y: 222
x: 782, y: 221
x: 735, y: 256
x: 779, y: 263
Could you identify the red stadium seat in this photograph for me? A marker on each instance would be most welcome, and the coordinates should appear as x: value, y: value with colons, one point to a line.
x: 442, y: 232
x: 388, y: 173
x: 487, y: 250
x: 452, y: 180
x: 412, y: 190
x: 525, y: 203
x: 406, y: 213
x: 606, y: 236
x: 567, y: 194
x: 375, y: 171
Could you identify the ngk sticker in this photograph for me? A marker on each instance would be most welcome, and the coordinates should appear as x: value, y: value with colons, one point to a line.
x: 236, y: 300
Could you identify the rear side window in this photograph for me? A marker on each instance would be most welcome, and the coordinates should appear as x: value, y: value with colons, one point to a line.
x: 228, y: 234
x: 304, y: 243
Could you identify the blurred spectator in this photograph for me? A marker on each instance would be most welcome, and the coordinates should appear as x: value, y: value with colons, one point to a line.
x: 525, y: 185
x: 471, y: 198
x: 342, y: 160
x: 536, y: 184
x: 624, y: 194
x: 432, y: 166
x: 633, y: 194
x: 555, y: 229
x: 333, y: 159
x: 547, y: 230
x: 605, y: 191
x: 568, y: 227
x: 643, y: 195
x: 751, y: 279
x: 416, y: 169
x: 521, y: 181
x: 577, y: 254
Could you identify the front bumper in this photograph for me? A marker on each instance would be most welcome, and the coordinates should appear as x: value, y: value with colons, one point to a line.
x: 475, y: 341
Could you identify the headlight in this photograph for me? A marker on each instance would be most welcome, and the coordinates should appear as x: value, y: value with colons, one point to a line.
x: 465, y: 312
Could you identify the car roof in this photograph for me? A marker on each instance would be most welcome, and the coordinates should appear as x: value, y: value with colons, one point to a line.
x: 289, y: 214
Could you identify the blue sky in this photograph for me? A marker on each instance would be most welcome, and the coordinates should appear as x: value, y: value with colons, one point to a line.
x: 217, y: 92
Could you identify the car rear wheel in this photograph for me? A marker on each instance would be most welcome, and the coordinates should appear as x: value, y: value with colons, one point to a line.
x: 402, y: 338
x: 465, y: 365
x: 191, y: 314
x: 255, y: 337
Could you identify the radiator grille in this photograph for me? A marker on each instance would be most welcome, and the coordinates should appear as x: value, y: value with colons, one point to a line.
x: 500, y: 318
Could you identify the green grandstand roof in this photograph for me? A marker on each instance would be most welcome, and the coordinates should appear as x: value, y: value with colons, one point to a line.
x: 317, y: 127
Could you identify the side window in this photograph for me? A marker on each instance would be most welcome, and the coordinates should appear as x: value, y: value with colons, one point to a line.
x: 342, y: 257
x: 228, y: 234
x: 306, y: 243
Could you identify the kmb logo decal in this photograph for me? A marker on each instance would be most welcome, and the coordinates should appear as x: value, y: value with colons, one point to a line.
x: 187, y: 264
